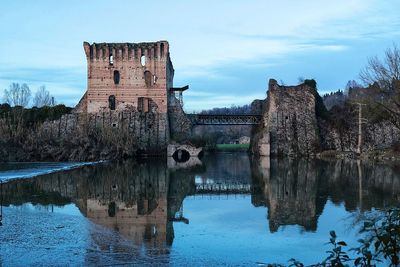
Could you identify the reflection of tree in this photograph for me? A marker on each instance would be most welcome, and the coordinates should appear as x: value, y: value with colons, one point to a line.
x: 295, y: 191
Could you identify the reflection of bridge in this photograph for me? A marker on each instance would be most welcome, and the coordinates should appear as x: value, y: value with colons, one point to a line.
x: 227, y: 119
x: 223, y: 188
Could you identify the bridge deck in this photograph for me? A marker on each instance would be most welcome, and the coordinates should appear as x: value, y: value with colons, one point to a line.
x: 228, y: 119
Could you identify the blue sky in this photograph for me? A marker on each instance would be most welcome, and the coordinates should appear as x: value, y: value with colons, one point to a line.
x: 225, y: 50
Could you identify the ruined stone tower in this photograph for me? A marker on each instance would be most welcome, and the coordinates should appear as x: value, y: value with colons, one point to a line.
x: 289, y: 124
x: 128, y: 77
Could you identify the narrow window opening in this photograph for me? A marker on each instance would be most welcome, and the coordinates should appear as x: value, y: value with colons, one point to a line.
x: 154, y: 79
x: 116, y: 77
x: 111, y: 60
x: 162, y: 49
x: 148, y: 78
x: 111, y: 102
x: 143, y: 60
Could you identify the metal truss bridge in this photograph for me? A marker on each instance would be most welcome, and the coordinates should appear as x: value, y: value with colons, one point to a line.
x: 220, y: 119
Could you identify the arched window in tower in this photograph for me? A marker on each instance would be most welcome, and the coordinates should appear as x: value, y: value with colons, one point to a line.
x: 111, y: 60
x: 143, y: 60
x: 148, y: 78
x: 116, y: 77
x: 111, y: 102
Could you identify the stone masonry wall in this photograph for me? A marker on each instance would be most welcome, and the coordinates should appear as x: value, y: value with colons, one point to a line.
x: 375, y: 136
x: 289, y: 124
x: 87, y: 137
x: 180, y: 124
x: 150, y: 130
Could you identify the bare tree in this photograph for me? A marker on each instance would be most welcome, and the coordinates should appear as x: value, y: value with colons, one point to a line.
x: 17, y: 95
x: 383, y: 79
x: 350, y: 85
x: 43, y: 98
x: 383, y: 71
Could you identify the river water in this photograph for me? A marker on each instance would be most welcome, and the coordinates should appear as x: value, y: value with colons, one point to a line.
x: 226, y: 209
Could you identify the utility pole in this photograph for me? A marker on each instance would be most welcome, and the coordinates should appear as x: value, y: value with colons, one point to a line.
x: 360, y: 122
x: 359, y: 129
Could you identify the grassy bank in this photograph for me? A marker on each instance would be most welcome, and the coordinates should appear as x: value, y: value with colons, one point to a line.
x: 232, y: 147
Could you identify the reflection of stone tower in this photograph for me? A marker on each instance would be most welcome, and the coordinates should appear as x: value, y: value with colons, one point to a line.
x: 292, y: 194
x: 290, y: 191
x: 128, y: 76
x: 145, y: 221
x: 131, y: 199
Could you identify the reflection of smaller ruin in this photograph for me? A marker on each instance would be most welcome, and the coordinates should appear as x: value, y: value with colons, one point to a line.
x: 289, y: 189
x: 296, y: 191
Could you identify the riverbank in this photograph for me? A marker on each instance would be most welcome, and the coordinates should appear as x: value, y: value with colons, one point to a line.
x: 232, y: 147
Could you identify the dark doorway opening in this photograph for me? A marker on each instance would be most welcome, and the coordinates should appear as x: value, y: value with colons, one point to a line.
x: 111, y: 102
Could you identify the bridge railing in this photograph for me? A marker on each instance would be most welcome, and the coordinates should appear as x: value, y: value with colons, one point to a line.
x: 223, y: 188
x: 225, y: 119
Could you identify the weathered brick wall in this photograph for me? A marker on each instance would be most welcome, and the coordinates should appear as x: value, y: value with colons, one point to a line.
x: 150, y: 80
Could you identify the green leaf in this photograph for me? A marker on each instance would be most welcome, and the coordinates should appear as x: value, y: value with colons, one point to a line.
x: 342, y: 243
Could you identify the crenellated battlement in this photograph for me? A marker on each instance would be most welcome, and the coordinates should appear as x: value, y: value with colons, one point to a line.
x: 126, y: 51
x: 128, y: 76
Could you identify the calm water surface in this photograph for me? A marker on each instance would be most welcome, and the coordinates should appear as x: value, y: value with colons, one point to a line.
x: 227, y: 209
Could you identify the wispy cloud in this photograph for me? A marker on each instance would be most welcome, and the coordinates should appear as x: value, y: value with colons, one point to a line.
x: 213, y: 44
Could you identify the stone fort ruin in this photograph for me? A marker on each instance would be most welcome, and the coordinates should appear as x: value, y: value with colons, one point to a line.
x: 130, y: 86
